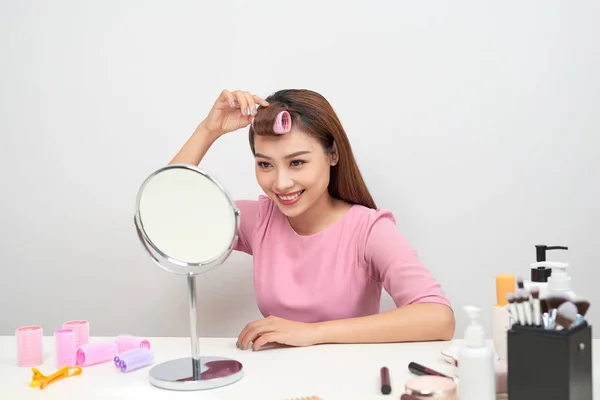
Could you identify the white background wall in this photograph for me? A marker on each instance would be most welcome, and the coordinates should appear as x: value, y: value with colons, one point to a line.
x: 476, y: 123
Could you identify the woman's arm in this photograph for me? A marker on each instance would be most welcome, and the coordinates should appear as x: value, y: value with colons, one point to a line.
x: 423, y: 314
x: 230, y: 112
x: 411, y: 323
x: 196, y: 147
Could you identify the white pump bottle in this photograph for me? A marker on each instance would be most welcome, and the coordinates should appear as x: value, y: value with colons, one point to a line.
x: 476, y: 362
x: 559, y: 282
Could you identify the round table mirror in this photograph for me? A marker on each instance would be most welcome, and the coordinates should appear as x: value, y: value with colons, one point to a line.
x: 187, y: 222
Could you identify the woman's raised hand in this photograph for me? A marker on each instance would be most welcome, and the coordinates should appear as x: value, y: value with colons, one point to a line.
x: 232, y: 111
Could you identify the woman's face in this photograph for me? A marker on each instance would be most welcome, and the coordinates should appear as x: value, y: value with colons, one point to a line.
x: 292, y: 169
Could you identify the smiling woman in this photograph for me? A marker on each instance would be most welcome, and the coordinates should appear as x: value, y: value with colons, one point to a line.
x: 322, y: 250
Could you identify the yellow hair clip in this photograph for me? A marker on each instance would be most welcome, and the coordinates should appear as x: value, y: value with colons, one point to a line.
x: 42, y: 381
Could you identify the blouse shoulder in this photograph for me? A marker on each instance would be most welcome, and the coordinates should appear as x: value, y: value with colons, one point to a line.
x: 253, y: 215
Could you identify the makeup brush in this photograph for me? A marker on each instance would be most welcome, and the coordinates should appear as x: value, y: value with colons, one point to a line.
x: 526, y: 306
x: 554, y: 301
x: 535, y: 306
x: 543, y: 306
x: 520, y: 283
x: 582, y: 307
x: 512, y: 307
x: 520, y: 309
x: 565, y: 315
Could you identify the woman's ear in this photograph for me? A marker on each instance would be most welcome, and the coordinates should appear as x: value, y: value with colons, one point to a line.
x: 334, y: 155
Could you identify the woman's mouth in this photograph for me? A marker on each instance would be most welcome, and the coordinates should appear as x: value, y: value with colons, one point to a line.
x: 290, y: 198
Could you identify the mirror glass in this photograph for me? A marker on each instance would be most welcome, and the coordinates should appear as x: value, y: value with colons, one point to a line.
x: 187, y: 218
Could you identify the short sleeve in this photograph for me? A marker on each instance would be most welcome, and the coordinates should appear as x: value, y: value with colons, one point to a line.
x: 392, y: 261
x: 248, y: 222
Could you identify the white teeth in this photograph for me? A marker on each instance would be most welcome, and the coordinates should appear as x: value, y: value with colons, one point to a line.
x: 289, y: 198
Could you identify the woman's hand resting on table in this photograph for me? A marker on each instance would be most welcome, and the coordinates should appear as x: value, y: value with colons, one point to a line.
x: 277, y: 330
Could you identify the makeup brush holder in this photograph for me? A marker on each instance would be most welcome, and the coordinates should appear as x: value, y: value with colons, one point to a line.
x: 549, y: 364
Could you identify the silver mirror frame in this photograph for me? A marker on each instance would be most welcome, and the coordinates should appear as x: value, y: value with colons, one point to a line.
x: 177, y: 266
x: 195, y: 372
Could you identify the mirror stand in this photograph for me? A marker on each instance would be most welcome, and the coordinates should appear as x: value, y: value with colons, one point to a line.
x: 179, y: 207
x: 195, y: 372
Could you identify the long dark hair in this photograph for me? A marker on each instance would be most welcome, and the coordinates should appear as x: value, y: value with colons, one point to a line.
x: 313, y: 115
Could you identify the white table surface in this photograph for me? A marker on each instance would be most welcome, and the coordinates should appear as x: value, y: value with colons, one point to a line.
x: 332, y: 372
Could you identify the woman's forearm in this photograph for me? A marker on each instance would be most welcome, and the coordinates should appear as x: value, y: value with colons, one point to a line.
x: 412, y: 323
x: 195, y: 148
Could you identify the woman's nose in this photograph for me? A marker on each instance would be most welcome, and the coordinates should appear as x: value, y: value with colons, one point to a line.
x: 283, y: 183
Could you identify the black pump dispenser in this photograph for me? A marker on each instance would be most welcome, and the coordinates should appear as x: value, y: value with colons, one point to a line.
x: 540, y: 251
x: 541, y: 274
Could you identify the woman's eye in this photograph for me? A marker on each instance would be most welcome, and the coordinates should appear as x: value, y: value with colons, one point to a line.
x: 297, y: 163
x: 263, y: 164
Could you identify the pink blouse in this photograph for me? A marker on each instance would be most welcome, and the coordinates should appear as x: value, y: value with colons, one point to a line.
x: 336, y: 273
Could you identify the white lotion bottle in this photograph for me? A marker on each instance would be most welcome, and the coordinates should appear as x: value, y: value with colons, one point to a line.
x: 476, y: 362
x: 559, y: 281
x: 541, y: 270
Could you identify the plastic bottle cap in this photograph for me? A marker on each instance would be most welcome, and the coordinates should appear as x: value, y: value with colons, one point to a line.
x: 559, y: 280
x: 474, y: 334
x: 540, y: 274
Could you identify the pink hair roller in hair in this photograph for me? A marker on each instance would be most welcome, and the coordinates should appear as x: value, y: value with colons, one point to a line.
x: 283, y: 123
x: 66, y: 348
x: 129, y: 342
x: 97, y: 353
x: 134, y: 359
x: 81, y: 329
x: 29, y: 346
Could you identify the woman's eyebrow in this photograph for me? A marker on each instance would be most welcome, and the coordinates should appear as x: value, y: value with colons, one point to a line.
x: 296, y: 154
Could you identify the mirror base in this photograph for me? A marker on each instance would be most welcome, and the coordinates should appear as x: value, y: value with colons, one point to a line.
x: 178, y: 374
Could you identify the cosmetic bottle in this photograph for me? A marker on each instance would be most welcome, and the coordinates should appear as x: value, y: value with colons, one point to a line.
x: 539, y: 270
x: 476, y: 362
x: 501, y: 319
x: 559, y: 281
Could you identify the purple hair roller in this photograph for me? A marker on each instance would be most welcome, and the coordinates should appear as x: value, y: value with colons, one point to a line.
x: 134, y: 359
x: 283, y: 123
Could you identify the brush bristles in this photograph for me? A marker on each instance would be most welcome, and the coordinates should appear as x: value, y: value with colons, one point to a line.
x: 566, y: 314
x: 535, y: 292
x: 510, y: 297
x: 582, y: 306
x: 555, y: 300
x: 518, y: 298
x: 520, y: 284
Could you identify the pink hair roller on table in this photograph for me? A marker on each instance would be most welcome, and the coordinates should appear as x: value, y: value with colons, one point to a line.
x: 66, y: 348
x: 30, y: 352
x: 130, y: 342
x: 96, y: 353
x: 81, y: 329
x: 283, y: 123
x: 134, y: 359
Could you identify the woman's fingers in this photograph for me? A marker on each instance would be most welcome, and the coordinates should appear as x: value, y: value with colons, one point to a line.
x: 252, y: 331
x: 227, y: 97
x: 266, y: 338
x: 251, y: 104
x: 260, y: 100
x: 242, y: 102
x: 245, y: 101
x: 253, y: 335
